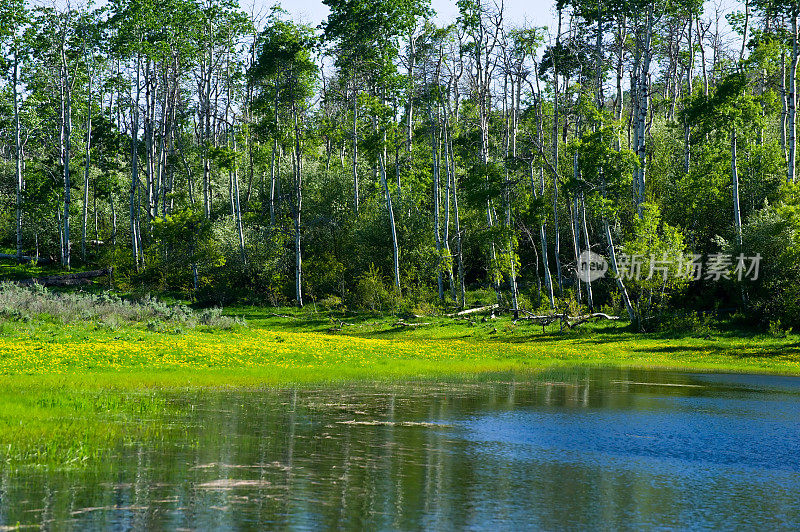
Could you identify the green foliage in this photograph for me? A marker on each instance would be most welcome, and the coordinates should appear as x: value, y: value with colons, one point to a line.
x: 371, y: 291
x: 776, y: 330
x: 605, y: 169
x: 682, y: 322
x: 368, y: 31
x: 107, y: 308
x: 294, y: 116
x: 729, y: 107
x: 654, y: 244
x: 773, y: 233
x: 183, y: 241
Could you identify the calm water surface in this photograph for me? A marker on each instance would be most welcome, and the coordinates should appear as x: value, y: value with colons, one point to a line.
x: 568, y: 449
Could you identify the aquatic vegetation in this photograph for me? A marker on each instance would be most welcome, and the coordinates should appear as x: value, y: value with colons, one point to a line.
x: 65, y: 428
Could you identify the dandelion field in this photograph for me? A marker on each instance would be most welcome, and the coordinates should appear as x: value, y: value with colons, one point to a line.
x: 279, y: 351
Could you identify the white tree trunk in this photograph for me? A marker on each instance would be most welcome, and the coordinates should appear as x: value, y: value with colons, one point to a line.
x: 272, y: 169
x: 792, y: 141
x: 298, y: 176
x: 737, y: 214
x: 700, y: 34
x: 446, y: 236
x: 18, y: 154
x: 87, y: 156
x: 784, y: 105
x: 66, y: 148
x: 238, y: 209
x: 456, y: 215
x: 589, y: 295
x: 436, y: 224
x: 643, y: 96
x: 135, y: 170
x: 392, y: 227
x: 687, y: 146
x: 355, y: 148
x: 556, y: 227
x: 612, y: 255
x: 548, y: 280
x: 574, y: 227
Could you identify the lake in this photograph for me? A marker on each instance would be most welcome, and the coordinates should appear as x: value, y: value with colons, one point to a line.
x: 560, y: 449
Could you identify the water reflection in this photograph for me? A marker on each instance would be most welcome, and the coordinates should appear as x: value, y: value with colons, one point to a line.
x: 564, y: 449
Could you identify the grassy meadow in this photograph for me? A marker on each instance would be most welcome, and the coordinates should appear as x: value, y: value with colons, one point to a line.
x: 286, y: 346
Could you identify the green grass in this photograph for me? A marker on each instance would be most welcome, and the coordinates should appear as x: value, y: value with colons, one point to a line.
x: 283, y: 346
x: 66, y: 428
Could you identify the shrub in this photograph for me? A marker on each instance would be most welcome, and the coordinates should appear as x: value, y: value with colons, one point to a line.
x: 370, y: 292
x: 214, y: 318
x: 23, y: 304
x: 651, y: 296
x: 774, y: 233
x: 776, y: 330
x: 331, y: 303
x: 691, y: 322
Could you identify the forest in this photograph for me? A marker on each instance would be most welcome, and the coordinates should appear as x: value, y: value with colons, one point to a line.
x: 380, y: 161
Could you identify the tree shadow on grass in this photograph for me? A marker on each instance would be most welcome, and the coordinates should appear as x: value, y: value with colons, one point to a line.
x: 726, y: 350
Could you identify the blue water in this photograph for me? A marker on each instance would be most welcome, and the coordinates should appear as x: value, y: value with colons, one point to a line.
x: 563, y: 450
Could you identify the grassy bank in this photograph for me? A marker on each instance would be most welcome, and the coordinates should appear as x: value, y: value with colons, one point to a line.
x: 281, y: 348
x: 100, y: 340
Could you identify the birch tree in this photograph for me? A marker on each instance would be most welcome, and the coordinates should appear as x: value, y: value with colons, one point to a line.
x: 286, y: 52
x: 13, y: 22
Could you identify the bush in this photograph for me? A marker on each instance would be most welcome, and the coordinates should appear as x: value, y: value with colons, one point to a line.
x: 24, y: 304
x: 370, y: 292
x: 331, y: 303
x: 214, y: 318
x: 687, y: 322
x: 651, y: 297
x: 776, y: 330
x: 774, y: 233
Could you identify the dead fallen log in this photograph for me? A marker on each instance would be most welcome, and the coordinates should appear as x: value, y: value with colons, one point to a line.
x: 402, y: 323
x: 27, y: 258
x: 476, y: 310
x: 547, y: 318
x: 285, y: 316
x: 68, y: 279
x: 583, y: 319
x: 570, y: 321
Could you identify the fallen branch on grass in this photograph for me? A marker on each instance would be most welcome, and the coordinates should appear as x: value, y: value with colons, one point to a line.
x: 473, y: 311
x: 402, y: 323
x: 570, y: 321
x: 27, y: 258
x: 583, y: 319
x: 68, y: 279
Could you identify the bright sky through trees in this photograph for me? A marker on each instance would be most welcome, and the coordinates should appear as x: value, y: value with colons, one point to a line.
x: 538, y: 12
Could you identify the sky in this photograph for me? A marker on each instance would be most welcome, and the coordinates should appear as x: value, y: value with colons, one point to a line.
x: 516, y: 12
x: 535, y: 12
